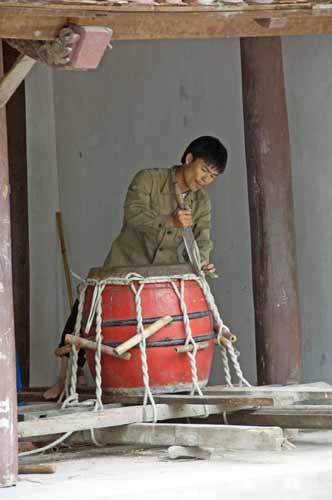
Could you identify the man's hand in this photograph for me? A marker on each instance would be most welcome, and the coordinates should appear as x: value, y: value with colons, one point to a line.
x: 181, y: 218
x: 208, y: 268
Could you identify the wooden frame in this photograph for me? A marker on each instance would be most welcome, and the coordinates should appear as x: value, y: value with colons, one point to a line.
x: 42, y: 20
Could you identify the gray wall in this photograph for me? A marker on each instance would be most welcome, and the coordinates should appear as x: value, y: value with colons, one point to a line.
x: 307, y: 63
x: 46, y: 276
x: 141, y: 107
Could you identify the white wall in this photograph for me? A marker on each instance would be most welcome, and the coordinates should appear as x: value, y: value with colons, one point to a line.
x: 138, y: 110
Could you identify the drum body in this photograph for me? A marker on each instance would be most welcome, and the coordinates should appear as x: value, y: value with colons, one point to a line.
x: 168, y: 370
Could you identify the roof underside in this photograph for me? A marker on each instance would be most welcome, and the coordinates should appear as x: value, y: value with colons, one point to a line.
x: 148, y: 19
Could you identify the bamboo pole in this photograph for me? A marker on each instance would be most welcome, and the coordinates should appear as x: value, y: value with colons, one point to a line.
x: 136, y: 339
x: 59, y: 224
x: 189, y: 347
x: 82, y: 343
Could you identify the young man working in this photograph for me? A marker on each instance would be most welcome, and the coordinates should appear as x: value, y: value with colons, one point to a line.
x: 152, y: 226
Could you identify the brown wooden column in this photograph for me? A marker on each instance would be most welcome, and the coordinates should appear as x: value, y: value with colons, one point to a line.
x: 17, y: 157
x: 8, y: 410
x: 271, y: 212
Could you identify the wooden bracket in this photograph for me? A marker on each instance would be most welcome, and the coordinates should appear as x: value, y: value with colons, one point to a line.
x: 76, y: 47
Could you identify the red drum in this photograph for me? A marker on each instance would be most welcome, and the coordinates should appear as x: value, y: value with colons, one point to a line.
x: 168, y: 370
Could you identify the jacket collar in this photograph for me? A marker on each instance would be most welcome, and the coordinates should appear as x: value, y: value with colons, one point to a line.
x: 169, y: 186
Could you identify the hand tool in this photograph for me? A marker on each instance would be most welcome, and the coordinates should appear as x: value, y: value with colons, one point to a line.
x: 188, y: 236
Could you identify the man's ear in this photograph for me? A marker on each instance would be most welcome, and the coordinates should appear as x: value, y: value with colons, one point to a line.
x: 188, y: 159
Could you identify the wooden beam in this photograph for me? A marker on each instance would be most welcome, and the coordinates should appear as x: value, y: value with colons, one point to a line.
x: 296, y: 417
x: 143, y: 24
x: 17, y: 154
x: 8, y: 419
x: 225, y: 437
x: 276, y: 296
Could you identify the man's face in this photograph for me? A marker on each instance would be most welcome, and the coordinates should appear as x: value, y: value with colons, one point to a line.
x: 197, y: 173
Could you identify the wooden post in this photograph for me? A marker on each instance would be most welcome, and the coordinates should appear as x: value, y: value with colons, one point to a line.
x: 17, y: 157
x: 271, y: 212
x: 8, y: 410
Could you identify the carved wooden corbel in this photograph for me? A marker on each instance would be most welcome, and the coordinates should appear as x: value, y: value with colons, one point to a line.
x: 56, y: 53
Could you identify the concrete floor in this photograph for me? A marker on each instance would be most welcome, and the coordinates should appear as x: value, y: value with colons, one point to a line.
x: 127, y: 473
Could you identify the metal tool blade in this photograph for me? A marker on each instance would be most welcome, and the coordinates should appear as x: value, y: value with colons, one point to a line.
x: 188, y: 237
x: 192, y: 249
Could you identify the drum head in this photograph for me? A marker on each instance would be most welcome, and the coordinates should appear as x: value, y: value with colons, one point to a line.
x: 100, y: 273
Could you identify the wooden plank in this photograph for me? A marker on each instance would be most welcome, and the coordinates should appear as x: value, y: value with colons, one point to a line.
x: 110, y: 418
x: 8, y: 398
x: 226, y: 437
x: 281, y: 394
x: 227, y: 401
x: 34, y: 412
x: 149, y: 25
x: 17, y: 156
x: 299, y: 417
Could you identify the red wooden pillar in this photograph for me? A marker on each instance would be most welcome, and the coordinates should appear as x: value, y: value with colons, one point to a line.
x: 271, y: 212
x: 18, y: 178
x: 8, y: 410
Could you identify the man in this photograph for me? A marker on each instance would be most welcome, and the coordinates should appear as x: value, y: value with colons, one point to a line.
x: 152, y: 226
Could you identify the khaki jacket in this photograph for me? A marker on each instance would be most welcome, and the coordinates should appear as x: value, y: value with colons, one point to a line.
x: 144, y: 239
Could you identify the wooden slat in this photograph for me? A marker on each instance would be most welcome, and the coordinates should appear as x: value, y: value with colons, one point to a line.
x: 109, y: 418
x: 281, y: 394
x: 47, y: 410
x: 227, y: 401
x: 149, y: 25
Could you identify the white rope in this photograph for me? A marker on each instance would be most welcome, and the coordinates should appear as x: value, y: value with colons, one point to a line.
x: 142, y: 345
x: 220, y: 324
x: 47, y: 447
x: 72, y: 398
x: 98, y: 402
x: 189, y: 340
x: 96, y: 309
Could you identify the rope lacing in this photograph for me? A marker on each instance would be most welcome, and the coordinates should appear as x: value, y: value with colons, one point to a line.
x: 226, y: 347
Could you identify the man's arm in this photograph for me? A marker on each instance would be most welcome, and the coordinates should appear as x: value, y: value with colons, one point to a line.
x: 202, y: 229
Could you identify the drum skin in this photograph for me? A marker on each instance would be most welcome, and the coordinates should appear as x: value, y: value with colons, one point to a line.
x: 168, y: 370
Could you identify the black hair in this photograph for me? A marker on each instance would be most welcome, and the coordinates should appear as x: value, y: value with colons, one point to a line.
x: 209, y: 149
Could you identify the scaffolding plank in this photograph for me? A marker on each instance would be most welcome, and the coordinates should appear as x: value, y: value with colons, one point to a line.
x: 226, y: 437
x: 110, y: 418
x: 228, y: 401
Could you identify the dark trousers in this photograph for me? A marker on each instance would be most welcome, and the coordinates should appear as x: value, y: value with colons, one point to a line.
x: 69, y: 328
